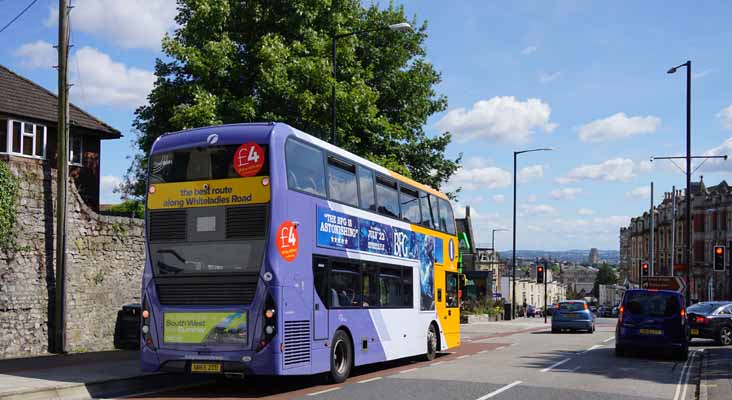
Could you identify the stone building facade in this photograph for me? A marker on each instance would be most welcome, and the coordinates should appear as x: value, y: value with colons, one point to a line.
x: 105, y: 258
x: 711, y: 225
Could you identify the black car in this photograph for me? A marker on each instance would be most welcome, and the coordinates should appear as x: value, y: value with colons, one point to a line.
x: 711, y: 320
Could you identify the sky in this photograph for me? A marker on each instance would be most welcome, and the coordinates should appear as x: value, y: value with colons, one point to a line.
x: 586, y: 78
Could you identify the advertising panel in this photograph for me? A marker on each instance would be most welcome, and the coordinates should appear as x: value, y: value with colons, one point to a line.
x: 217, y: 192
x: 203, y: 327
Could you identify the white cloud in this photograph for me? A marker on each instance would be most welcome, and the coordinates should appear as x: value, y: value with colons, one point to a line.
x: 501, y: 118
x: 617, y: 169
x: 107, y: 185
x: 725, y: 117
x: 530, y: 172
x: 617, y: 126
x: 645, y: 166
x: 719, y: 165
x: 38, y: 54
x: 642, y: 192
x: 128, y: 23
x: 100, y: 80
x: 475, y: 174
x: 538, y: 210
x: 699, y: 75
x: 544, y: 77
x: 528, y: 50
x: 531, y: 198
x: 499, y: 198
x: 585, y: 212
x: 565, y: 193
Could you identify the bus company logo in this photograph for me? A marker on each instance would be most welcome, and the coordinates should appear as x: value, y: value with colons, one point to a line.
x: 212, y: 138
x: 248, y: 159
x: 287, y: 241
x: 451, y: 250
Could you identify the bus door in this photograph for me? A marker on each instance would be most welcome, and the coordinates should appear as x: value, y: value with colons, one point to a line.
x: 451, y: 317
x: 320, y: 312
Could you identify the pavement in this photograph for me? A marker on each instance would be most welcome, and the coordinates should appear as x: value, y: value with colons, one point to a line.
x: 716, y: 375
x: 78, y: 376
x: 519, y: 359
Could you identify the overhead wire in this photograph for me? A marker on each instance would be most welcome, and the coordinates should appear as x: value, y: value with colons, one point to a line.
x: 20, y: 14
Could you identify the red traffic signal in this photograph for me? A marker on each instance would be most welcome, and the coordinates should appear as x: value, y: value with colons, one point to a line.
x: 539, y: 274
x: 645, y: 268
x: 719, y: 258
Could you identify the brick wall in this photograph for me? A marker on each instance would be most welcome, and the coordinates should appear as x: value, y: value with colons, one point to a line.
x: 105, y: 258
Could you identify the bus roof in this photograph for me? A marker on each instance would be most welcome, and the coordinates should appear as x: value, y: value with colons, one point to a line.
x: 172, y: 140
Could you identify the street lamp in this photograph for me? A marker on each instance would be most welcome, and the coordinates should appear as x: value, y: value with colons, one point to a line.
x: 513, y: 258
x: 688, y: 175
x: 493, y: 238
x: 400, y: 27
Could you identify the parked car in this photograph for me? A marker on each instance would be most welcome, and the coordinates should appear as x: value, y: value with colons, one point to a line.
x: 711, y: 320
x: 573, y: 315
x: 614, y: 312
x: 530, y: 311
x: 652, y: 319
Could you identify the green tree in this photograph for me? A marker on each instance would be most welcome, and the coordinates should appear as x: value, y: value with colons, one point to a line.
x: 269, y: 60
x: 605, y: 276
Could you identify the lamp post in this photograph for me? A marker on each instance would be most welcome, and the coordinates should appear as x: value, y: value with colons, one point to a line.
x: 400, y: 27
x: 688, y: 175
x: 493, y: 238
x: 513, y: 258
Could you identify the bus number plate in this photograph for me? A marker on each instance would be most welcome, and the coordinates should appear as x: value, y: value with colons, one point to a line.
x: 206, y: 368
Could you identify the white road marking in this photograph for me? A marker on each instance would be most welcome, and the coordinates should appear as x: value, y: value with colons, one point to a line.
x: 324, y: 391
x: 408, y: 370
x: 597, y: 346
x: 499, y: 391
x: 461, y: 357
x: 684, y: 379
x: 485, y: 351
x: 609, y: 339
x: 555, y: 365
x: 437, y: 363
x: 370, y: 380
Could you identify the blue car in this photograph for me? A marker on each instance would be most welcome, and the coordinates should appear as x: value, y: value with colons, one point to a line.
x: 652, y: 320
x: 573, y: 315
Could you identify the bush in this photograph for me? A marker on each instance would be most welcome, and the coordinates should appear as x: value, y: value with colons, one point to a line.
x: 129, y: 208
x: 8, y: 196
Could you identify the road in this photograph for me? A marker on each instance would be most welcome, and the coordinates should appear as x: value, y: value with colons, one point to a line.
x: 511, y: 360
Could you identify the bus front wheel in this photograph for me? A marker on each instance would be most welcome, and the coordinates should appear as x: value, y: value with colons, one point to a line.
x: 341, y: 357
x: 431, y: 343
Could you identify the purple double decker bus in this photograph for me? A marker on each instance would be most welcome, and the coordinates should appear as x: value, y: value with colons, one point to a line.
x: 271, y: 252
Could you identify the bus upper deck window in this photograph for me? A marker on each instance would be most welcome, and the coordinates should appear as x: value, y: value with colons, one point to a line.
x: 305, y: 171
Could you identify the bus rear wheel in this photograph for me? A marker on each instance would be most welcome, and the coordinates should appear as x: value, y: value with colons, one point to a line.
x: 431, y: 343
x: 341, y: 357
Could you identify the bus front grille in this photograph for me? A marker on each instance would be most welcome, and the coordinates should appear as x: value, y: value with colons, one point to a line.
x: 167, y: 225
x: 207, y: 290
x: 246, y: 222
x: 297, y: 342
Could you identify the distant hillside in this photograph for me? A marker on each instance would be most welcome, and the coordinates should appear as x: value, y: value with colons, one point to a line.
x: 576, y: 256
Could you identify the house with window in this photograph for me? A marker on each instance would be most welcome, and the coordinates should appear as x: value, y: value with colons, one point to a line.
x: 28, y: 132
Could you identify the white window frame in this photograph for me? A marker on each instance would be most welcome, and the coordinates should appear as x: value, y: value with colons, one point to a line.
x: 81, y: 151
x: 23, y: 133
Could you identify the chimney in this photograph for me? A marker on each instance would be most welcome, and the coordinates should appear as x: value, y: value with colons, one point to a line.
x: 467, y: 212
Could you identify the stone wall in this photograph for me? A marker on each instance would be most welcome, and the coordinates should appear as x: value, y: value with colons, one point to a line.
x: 105, y: 259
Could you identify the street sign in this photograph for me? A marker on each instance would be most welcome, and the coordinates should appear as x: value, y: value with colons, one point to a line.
x: 674, y: 283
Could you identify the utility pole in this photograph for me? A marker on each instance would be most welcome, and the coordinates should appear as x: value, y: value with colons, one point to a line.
x: 62, y: 178
x: 546, y: 278
x: 652, y: 229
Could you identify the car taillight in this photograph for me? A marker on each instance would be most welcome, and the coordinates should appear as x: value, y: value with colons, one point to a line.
x: 269, y: 323
x: 621, y: 312
x: 145, y: 324
x: 701, y: 320
x: 585, y: 306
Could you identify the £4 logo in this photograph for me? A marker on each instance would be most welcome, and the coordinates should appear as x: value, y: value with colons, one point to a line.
x: 287, y: 240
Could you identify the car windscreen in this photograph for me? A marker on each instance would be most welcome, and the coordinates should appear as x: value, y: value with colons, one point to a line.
x: 572, y: 306
x: 651, y: 304
x: 703, y: 308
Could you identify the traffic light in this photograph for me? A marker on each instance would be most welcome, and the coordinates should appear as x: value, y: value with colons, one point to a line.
x: 645, y: 268
x: 719, y: 258
x: 539, y: 274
